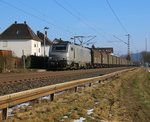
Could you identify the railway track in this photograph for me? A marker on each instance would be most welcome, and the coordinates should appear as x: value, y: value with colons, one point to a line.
x: 16, y: 82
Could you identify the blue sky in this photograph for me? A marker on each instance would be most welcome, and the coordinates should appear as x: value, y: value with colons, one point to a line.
x: 68, y: 18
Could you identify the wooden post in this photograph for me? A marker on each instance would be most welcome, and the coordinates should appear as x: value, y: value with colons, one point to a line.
x: 76, y: 89
x: 4, y: 113
x: 51, y: 97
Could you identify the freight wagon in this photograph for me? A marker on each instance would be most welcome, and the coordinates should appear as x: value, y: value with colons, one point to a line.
x: 110, y: 60
x: 96, y: 58
x: 99, y: 58
x: 102, y: 59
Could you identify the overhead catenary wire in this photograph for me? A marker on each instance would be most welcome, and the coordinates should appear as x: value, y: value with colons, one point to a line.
x: 37, y: 17
x: 85, y: 19
x: 32, y: 8
x: 117, y: 18
x: 80, y: 18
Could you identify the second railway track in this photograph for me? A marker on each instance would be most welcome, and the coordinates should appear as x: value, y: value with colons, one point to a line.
x: 16, y: 82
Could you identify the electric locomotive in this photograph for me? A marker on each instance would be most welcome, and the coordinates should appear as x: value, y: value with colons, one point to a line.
x: 66, y: 55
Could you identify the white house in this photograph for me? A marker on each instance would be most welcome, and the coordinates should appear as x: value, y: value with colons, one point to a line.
x: 21, y: 40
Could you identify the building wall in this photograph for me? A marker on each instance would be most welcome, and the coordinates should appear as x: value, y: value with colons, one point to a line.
x: 20, y: 47
x: 46, y: 50
x: 36, y: 48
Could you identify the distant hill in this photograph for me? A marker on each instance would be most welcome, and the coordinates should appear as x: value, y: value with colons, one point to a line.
x: 136, y: 57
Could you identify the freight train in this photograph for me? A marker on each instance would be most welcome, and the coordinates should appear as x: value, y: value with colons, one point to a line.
x: 66, y: 55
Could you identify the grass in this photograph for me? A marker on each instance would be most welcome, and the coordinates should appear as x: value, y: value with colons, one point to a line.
x: 141, y: 89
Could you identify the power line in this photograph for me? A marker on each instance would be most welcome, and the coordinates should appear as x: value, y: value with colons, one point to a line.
x: 72, y: 7
x: 84, y: 18
x: 127, y: 43
x: 35, y: 16
x: 117, y: 18
x: 67, y: 10
x: 32, y: 8
x: 79, y: 18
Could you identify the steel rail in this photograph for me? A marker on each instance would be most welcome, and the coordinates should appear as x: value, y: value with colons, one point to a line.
x: 10, y: 100
x: 12, y: 78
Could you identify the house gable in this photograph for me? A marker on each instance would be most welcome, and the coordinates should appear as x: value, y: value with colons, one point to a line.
x: 19, y: 31
x: 21, y: 40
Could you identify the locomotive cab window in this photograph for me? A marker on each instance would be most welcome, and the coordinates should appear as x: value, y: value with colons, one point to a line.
x: 59, y: 47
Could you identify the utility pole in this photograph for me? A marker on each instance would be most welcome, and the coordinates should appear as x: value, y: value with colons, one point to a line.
x: 128, y: 56
x: 146, y: 44
x: 127, y: 43
x: 23, y: 57
x: 45, y: 37
x: 145, y: 50
x: 137, y: 57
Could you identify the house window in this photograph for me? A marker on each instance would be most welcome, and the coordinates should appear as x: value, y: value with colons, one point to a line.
x: 18, y: 32
x: 34, y: 45
x: 5, y: 43
x: 39, y: 50
x: 35, y: 54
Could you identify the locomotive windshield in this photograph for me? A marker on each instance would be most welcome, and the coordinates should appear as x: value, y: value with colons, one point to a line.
x: 62, y: 47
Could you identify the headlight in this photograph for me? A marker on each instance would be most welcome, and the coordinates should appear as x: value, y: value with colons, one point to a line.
x: 50, y: 57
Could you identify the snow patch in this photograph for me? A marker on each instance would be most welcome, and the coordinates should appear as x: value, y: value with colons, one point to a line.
x: 89, y: 112
x: 103, y: 121
x: 65, y: 117
x: 79, y: 120
x: 10, y: 110
x: 46, y: 97
x: 23, y: 104
x: 96, y: 103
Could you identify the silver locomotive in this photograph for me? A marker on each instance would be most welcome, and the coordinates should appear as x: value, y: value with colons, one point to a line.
x: 66, y: 55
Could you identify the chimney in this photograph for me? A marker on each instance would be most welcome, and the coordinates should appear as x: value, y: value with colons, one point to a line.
x: 38, y: 32
x: 15, y: 22
x: 25, y: 22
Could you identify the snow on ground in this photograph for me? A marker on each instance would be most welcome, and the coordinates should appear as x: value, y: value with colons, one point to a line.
x: 89, y: 112
x: 46, y: 97
x: 10, y: 110
x: 79, y: 120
